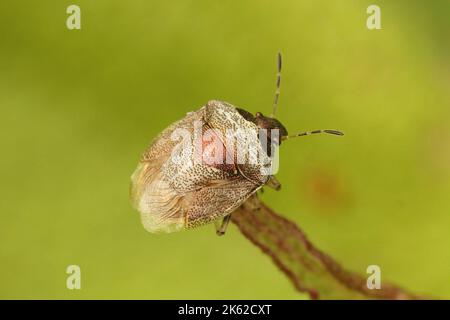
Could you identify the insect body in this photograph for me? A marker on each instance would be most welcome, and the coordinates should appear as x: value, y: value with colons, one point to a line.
x: 203, y: 167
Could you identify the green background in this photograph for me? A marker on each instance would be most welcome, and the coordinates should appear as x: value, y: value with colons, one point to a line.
x: 79, y: 107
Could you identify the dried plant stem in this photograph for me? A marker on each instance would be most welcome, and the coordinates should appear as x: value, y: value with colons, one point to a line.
x: 309, y: 269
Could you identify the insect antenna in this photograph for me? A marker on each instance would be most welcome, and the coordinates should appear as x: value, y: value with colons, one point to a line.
x: 307, y: 133
x: 277, y: 91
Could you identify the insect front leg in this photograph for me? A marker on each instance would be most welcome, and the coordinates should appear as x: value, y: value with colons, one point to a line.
x: 222, y: 227
x: 273, y: 183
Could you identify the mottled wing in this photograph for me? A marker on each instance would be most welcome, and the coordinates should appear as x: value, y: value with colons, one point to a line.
x: 151, y: 191
x: 217, y: 199
x: 155, y: 199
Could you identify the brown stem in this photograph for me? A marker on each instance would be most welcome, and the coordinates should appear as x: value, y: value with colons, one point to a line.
x: 309, y: 269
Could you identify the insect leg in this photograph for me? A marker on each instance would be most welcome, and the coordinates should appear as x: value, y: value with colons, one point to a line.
x: 273, y: 183
x: 220, y: 230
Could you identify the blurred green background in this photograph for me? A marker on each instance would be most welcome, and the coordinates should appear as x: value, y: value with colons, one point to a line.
x: 79, y: 107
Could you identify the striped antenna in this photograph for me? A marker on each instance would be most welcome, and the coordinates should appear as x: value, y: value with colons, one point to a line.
x: 277, y: 91
x: 307, y: 133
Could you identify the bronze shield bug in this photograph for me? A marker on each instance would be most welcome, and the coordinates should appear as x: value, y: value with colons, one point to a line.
x: 204, y: 166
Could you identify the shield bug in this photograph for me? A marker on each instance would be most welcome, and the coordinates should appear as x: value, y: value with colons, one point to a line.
x: 204, y: 166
